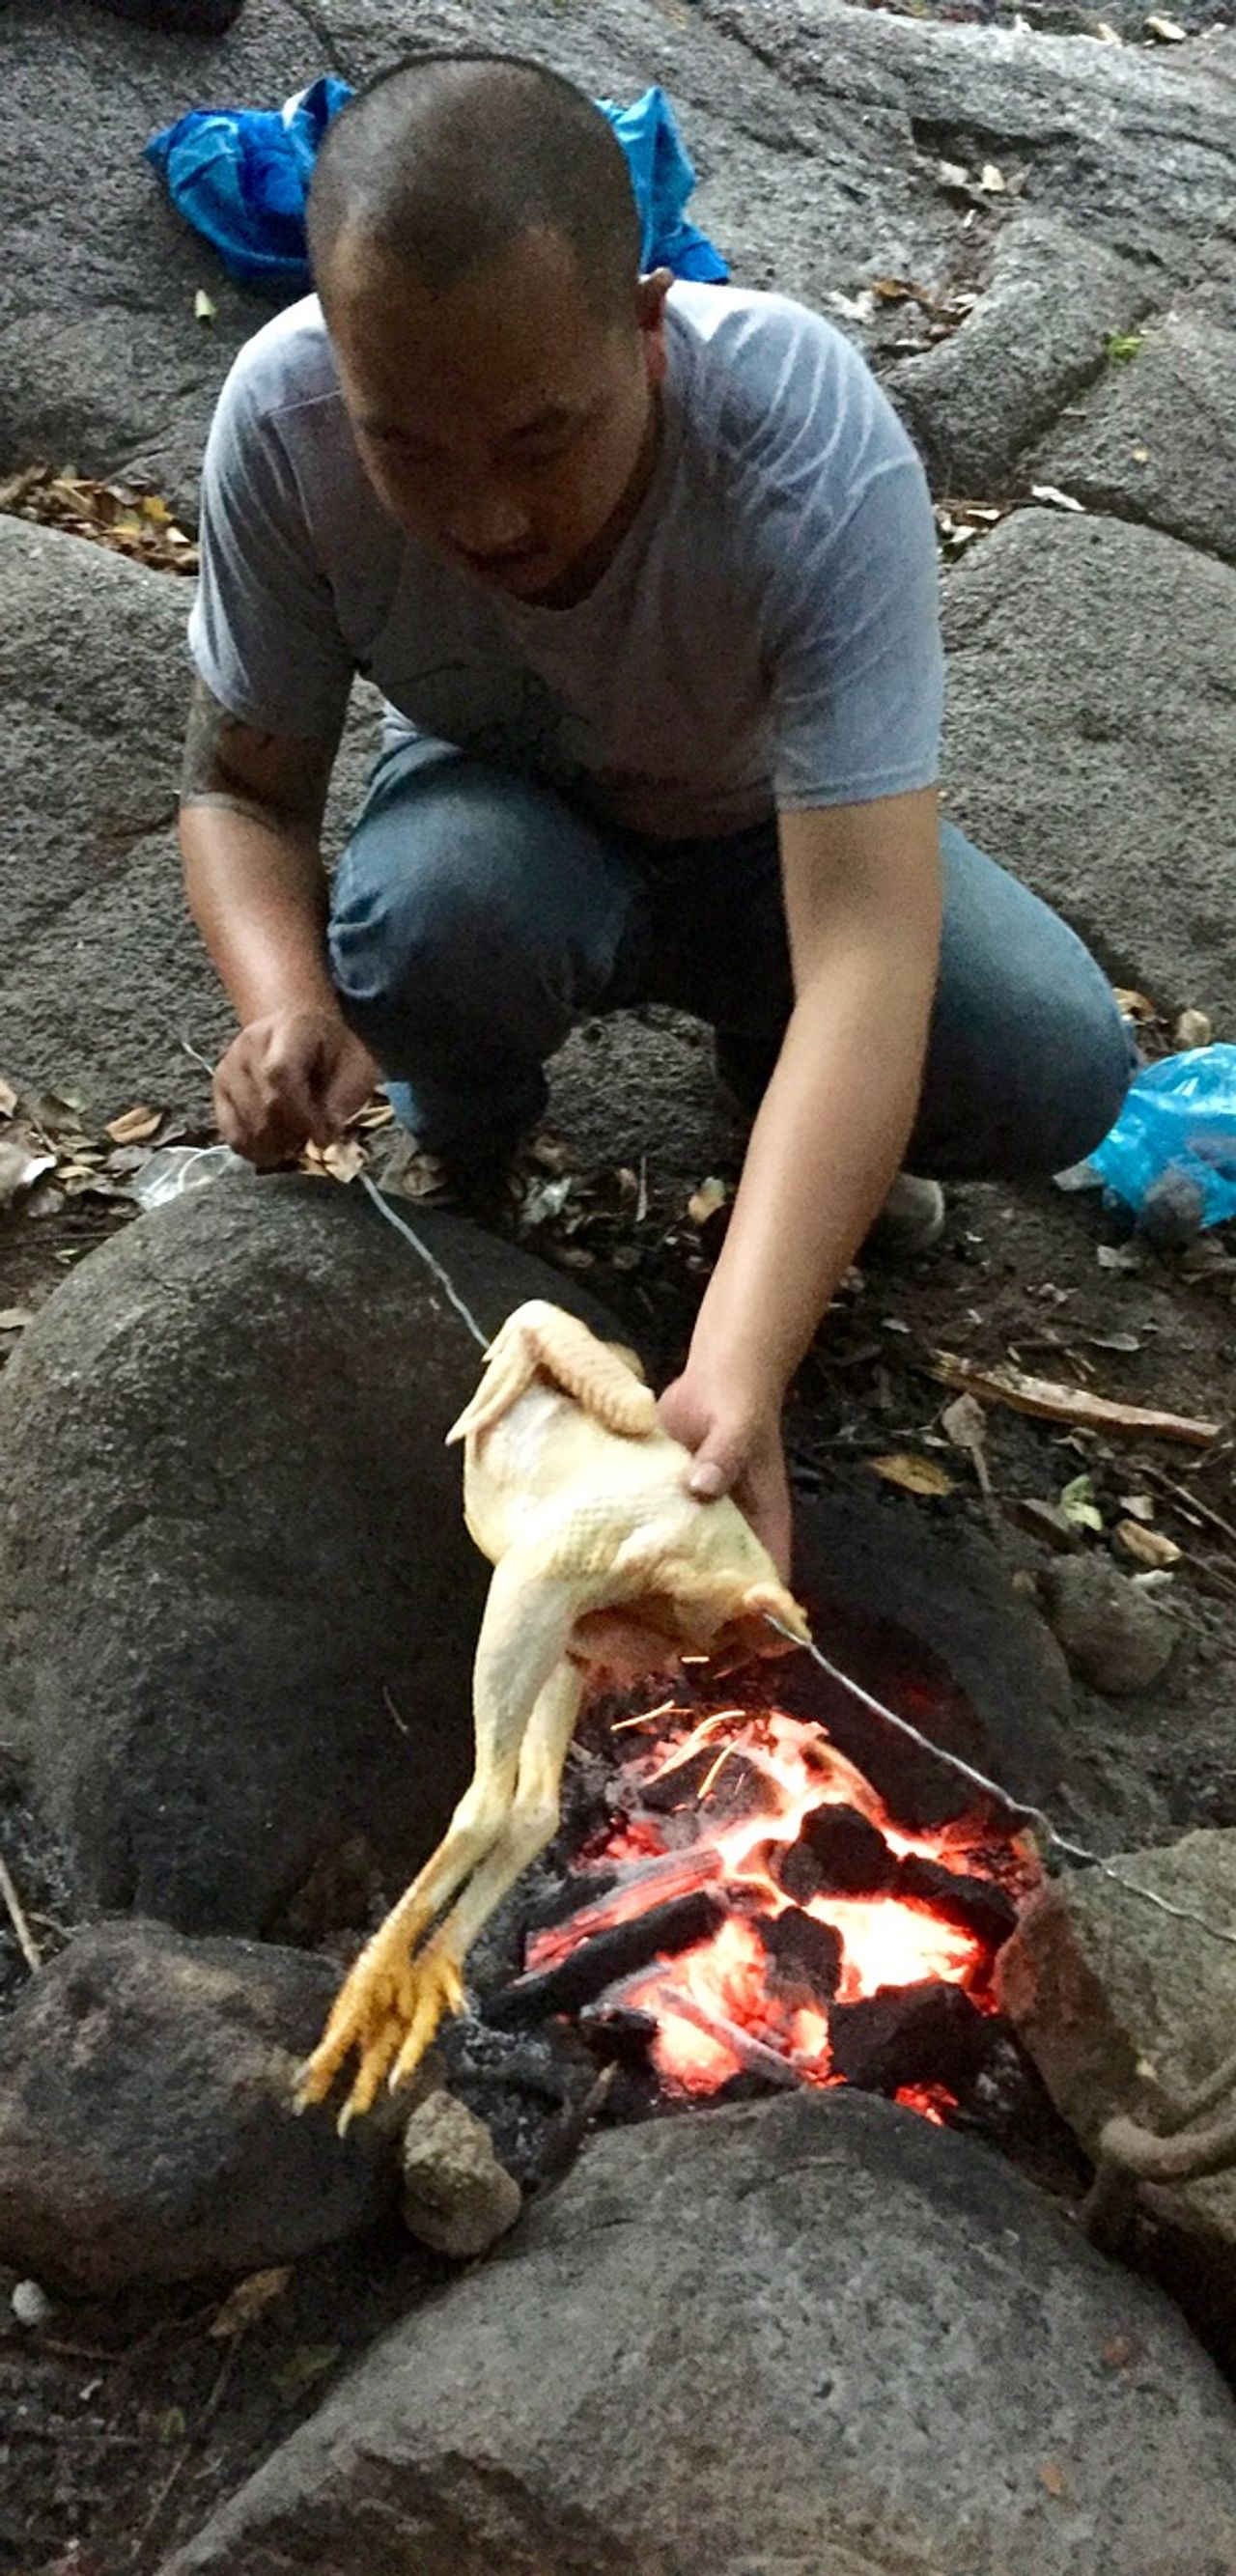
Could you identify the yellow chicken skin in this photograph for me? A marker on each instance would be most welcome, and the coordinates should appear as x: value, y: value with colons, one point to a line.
x: 603, y: 1563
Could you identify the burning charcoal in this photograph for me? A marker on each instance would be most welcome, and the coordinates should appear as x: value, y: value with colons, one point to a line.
x: 740, y: 1789
x: 621, y: 2036
x: 660, y: 1932
x: 923, y: 2034
x: 579, y: 1888
x: 805, y: 1956
x: 838, y: 1853
x: 977, y: 1905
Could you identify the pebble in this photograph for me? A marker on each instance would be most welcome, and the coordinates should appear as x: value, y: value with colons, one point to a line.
x: 30, y: 2304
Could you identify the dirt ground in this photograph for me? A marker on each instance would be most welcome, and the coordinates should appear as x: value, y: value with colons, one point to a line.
x: 122, y: 2425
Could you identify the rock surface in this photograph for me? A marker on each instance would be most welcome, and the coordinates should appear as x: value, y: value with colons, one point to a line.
x: 1091, y: 745
x: 237, y: 1598
x: 1115, y: 1637
x: 1155, y: 437
x: 146, y: 2127
x: 1125, y: 2008
x: 815, y: 2337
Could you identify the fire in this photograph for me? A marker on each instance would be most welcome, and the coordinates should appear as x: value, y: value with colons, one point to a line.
x: 747, y: 1783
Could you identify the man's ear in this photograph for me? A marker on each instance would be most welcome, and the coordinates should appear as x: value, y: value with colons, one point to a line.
x: 650, y: 295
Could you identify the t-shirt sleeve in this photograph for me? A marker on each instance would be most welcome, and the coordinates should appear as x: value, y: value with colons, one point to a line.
x: 856, y: 664
x: 263, y: 631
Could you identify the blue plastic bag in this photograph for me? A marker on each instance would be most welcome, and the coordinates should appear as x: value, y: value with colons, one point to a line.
x: 1177, y: 1131
x: 241, y: 177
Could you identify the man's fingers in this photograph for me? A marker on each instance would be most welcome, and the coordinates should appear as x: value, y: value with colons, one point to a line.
x: 349, y: 1081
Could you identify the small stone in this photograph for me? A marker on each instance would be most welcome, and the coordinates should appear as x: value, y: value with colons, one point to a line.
x: 30, y: 2304
x: 457, y: 2197
x: 1114, y: 1637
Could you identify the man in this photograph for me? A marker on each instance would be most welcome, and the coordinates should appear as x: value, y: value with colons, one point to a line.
x: 646, y: 574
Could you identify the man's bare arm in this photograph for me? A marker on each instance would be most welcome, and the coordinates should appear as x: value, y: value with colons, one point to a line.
x: 250, y: 824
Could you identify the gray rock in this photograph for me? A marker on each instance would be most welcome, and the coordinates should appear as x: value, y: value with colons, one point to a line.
x: 1126, y: 2009
x: 892, y: 1593
x: 146, y: 2127
x: 102, y: 973
x: 456, y: 2196
x: 815, y: 2337
x: 1091, y: 746
x: 1156, y: 436
x: 1037, y: 335
x: 237, y: 1599
x: 1114, y: 1636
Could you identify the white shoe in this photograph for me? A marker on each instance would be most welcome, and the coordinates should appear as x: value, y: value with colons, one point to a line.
x: 911, y: 1219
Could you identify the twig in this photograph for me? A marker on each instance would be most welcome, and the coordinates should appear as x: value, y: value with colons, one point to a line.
x: 25, y: 1938
x: 1193, y: 1502
x: 195, y: 1054
x: 1042, y: 1397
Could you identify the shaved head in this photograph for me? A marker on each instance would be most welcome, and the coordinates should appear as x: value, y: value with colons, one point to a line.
x: 446, y: 162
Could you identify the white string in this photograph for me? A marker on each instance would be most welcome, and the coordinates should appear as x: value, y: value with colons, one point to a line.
x: 411, y: 1236
x: 1024, y: 1814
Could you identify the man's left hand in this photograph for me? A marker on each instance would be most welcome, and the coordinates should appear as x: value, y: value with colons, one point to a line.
x: 735, y: 1443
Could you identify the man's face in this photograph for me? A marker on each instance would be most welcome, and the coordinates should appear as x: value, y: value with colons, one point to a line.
x: 504, y: 422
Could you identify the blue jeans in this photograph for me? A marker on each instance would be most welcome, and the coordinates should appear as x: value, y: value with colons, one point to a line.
x: 477, y: 916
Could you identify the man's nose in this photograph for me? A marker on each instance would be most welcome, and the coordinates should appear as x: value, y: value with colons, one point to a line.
x: 491, y: 521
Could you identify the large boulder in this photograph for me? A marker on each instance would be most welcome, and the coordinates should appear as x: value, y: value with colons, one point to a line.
x: 814, y: 2337
x: 237, y: 1599
x: 1155, y: 437
x: 103, y: 978
x: 146, y: 2123
x: 1091, y: 744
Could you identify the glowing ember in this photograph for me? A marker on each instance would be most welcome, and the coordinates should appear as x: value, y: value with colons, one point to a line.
x: 733, y: 1792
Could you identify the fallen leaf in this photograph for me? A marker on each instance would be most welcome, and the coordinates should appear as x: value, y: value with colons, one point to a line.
x: 344, y: 1159
x: 310, y: 2361
x: 1055, y: 498
x: 1138, y: 1506
x: 992, y: 181
x: 1119, y: 1256
x: 1192, y: 1029
x: 1053, y: 2478
x: 1140, y: 455
x: 704, y: 1202
x: 20, y: 1168
x: 913, y: 1475
x: 1079, y: 1506
x: 134, y: 1126
x: 1126, y: 1343
x: 204, y: 306
x: 964, y: 1422
x: 249, y: 2301
x: 1053, y: 1403
x: 1135, y: 1006
x: 1107, y: 35
x: 1166, y: 31
x: 1149, y: 1546
x: 8, y: 1100
x: 13, y: 1319
x: 952, y: 174
x: 853, y: 308
x: 1121, y: 346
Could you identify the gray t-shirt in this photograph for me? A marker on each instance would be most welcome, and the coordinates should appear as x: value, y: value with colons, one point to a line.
x: 766, y: 635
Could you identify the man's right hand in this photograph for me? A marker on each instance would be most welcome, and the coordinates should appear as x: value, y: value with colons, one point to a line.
x: 292, y: 1078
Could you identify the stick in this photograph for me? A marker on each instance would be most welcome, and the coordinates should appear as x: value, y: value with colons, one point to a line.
x: 1052, y: 1403
x: 1192, y: 1501
x: 25, y: 1938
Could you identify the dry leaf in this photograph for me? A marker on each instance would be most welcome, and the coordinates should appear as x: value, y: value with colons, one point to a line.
x: 249, y: 2300
x: 8, y: 1100
x: 913, y: 1475
x: 1192, y: 1029
x: 1055, y: 499
x: 1053, y: 2478
x: 964, y: 1422
x: 1126, y: 1343
x: 992, y: 181
x: 134, y: 1126
x: 13, y: 1319
x: 1052, y: 1403
x: 344, y: 1159
x: 1166, y: 31
x: 20, y: 1168
x: 951, y: 174
x: 1140, y: 455
x: 1138, y: 1506
x: 1079, y: 1506
x: 1148, y: 1546
x: 1135, y: 1006
x: 204, y: 306
x: 704, y: 1202
x: 1119, y: 1256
